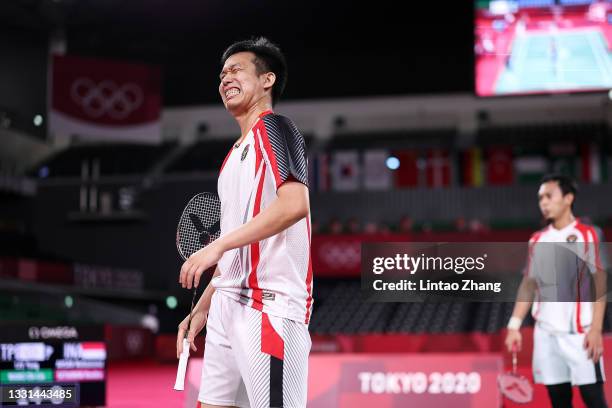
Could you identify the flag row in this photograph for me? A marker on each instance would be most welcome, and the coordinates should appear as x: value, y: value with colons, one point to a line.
x: 383, y: 169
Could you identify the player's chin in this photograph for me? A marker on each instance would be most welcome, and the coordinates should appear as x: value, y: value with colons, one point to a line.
x: 232, y: 105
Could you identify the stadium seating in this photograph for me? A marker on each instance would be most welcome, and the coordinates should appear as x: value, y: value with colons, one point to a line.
x: 340, y: 309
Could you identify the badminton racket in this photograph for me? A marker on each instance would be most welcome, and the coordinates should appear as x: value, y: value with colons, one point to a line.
x: 513, y: 386
x: 198, y: 226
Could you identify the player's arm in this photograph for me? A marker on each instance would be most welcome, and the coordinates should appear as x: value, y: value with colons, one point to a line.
x: 524, y: 299
x: 203, y: 304
x: 199, y: 315
x: 599, y: 306
x: 593, y: 341
x: 291, y: 205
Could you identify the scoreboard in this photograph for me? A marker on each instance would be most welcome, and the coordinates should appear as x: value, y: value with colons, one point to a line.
x: 59, y: 366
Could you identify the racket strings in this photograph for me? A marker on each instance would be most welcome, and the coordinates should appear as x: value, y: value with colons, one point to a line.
x: 207, y: 209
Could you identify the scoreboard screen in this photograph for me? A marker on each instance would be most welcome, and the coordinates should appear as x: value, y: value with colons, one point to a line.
x: 542, y: 46
x: 60, y: 366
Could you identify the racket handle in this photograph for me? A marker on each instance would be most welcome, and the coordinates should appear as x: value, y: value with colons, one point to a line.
x: 179, y: 385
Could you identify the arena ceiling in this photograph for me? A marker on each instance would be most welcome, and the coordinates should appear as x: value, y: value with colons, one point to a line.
x: 334, y: 48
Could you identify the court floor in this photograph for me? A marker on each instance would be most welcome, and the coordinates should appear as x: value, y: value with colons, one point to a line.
x: 142, y: 384
x: 548, y: 61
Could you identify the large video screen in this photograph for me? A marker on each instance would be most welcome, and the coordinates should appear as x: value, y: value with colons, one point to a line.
x: 63, y: 366
x: 542, y: 46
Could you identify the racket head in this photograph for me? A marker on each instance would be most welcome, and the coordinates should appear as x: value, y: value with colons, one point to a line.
x: 199, y: 224
x: 515, y: 387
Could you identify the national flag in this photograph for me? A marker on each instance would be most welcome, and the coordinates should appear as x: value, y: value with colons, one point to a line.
x: 438, y: 168
x: 563, y: 158
x: 319, y: 177
x: 376, y: 174
x: 530, y: 169
x: 31, y: 351
x: 592, y: 166
x: 345, y: 174
x: 407, y: 174
x: 93, y: 351
x: 105, y: 100
x: 499, y: 165
x: 471, y: 167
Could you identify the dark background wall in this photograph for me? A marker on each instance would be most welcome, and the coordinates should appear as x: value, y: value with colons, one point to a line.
x: 23, y: 77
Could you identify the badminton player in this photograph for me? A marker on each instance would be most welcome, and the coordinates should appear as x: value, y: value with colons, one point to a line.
x: 258, y: 304
x: 567, y: 340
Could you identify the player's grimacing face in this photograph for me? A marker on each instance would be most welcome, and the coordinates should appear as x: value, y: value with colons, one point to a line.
x: 240, y: 85
x: 552, y: 201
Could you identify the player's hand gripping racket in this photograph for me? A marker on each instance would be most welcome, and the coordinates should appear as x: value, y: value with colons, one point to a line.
x: 513, y: 386
x: 199, y: 226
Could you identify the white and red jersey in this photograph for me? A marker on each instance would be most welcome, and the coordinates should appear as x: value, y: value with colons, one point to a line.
x: 273, y: 275
x: 562, y: 272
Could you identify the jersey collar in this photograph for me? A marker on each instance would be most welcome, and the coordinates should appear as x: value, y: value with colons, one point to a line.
x: 266, y: 112
x: 567, y: 227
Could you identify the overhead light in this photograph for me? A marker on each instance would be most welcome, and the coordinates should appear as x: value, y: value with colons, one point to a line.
x: 171, y: 302
x: 38, y: 120
x: 393, y: 163
x: 68, y: 301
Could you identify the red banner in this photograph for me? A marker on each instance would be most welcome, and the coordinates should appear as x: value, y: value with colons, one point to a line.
x: 499, y: 166
x: 408, y: 380
x: 97, y: 99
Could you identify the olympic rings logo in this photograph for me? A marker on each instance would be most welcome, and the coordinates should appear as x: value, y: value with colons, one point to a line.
x: 106, y: 98
x: 341, y: 255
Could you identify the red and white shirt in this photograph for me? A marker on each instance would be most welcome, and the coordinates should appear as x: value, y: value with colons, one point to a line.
x: 273, y: 275
x: 562, y: 272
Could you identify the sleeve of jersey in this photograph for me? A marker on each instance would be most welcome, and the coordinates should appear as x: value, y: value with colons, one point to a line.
x: 286, y: 150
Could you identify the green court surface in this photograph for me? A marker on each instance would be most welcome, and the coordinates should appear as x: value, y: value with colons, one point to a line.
x: 545, y: 61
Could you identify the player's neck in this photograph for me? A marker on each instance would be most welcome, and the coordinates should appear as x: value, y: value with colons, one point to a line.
x: 247, y: 119
x: 563, y: 221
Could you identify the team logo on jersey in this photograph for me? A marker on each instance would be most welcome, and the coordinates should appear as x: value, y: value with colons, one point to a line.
x: 244, y: 152
x: 571, y: 238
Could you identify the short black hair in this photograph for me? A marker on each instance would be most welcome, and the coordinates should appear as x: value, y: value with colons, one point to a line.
x: 268, y: 58
x: 566, y: 183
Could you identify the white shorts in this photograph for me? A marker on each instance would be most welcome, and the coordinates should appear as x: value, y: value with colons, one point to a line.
x: 562, y: 358
x: 253, y: 359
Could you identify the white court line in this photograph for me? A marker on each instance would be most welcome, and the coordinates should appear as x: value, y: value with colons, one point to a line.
x: 601, y: 64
